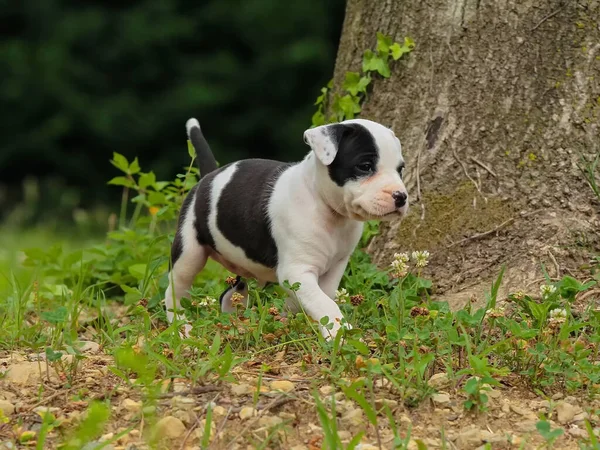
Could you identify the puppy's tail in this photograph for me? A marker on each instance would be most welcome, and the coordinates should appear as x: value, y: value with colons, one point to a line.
x: 204, y: 155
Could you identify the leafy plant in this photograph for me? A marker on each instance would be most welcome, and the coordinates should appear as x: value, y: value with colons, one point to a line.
x: 347, y: 105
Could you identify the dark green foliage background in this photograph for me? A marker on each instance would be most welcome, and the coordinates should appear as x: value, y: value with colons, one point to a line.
x: 83, y: 79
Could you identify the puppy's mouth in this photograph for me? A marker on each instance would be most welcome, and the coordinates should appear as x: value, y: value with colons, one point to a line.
x: 363, y: 214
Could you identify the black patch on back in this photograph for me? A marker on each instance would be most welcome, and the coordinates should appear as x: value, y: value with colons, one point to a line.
x: 356, y: 145
x: 242, y: 210
x: 177, y: 246
x: 203, y: 209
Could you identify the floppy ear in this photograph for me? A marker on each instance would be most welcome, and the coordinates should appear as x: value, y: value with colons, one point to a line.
x: 324, y: 141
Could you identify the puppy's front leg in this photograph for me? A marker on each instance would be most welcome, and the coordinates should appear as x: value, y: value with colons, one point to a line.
x: 330, y: 281
x: 316, y: 303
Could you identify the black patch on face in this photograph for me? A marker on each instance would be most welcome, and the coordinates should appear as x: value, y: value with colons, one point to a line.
x: 356, y: 152
x: 242, y: 214
x: 400, y: 170
x: 177, y: 246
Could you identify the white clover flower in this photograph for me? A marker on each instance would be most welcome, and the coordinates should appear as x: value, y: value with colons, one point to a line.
x: 402, y: 257
x: 494, y: 313
x: 400, y: 265
x: 547, y: 290
x: 207, y: 301
x: 558, y: 313
x: 342, y: 296
x: 421, y: 258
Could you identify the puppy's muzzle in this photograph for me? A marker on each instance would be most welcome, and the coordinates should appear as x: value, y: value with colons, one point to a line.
x: 399, y: 198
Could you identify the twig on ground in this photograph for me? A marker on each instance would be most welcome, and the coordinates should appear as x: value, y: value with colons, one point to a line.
x: 555, y: 262
x: 493, y: 230
x: 538, y: 281
x: 587, y: 294
x: 48, y: 399
x: 281, y: 400
x: 484, y: 234
x: 221, y: 427
x: 189, y: 433
x: 196, y: 390
x: 549, y: 16
x: 464, y: 168
x: 479, y: 163
x: 196, y: 424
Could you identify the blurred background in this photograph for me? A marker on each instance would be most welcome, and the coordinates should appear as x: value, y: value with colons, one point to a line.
x: 83, y: 79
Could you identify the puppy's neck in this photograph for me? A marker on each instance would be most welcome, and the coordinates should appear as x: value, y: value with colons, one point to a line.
x: 316, y: 177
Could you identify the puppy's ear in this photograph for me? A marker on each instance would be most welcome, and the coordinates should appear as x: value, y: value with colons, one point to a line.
x: 325, y: 140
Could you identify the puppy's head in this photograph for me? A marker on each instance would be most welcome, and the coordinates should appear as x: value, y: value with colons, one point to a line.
x: 364, y: 164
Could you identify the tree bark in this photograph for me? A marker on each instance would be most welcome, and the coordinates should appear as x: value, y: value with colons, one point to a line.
x: 494, y: 108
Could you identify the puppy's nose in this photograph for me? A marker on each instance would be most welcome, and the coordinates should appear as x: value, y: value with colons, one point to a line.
x: 399, y: 198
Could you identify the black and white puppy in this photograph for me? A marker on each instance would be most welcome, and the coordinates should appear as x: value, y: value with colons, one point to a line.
x: 299, y: 222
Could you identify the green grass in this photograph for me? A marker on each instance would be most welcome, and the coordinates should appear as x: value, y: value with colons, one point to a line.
x: 53, y: 293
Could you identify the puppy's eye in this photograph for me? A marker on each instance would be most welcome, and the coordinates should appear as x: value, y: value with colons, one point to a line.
x: 365, y: 167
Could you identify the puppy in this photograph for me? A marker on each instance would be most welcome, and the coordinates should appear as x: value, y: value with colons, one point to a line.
x: 294, y: 222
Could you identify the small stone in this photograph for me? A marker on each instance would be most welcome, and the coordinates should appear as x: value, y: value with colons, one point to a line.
x: 580, y: 417
x: 381, y: 402
x: 180, y: 387
x: 299, y: 447
x: 369, y: 447
x: 170, y: 427
x: 269, y: 421
x: 219, y: 411
x: 353, y: 417
x: 344, y: 435
x: 107, y: 437
x: 7, y: 407
x: 544, y: 406
x: 577, y: 432
x: 557, y: 396
x: 89, y: 347
x: 441, y: 398
x: 183, y: 402
x: 527, y: 426
x: 131, y: 405
x: 287, y: 416
x: 241, y: 389
x: 493, y: 393
x: 439, y: 381
x: 46, y: 409
x: 282, y: 385
x: 565, y: 412
x: 520, y: 411
x: 572, y: 400
x: 23, y: 373
x: 472, y: 438
x: 326, y: 390
x: 247, y: 412
x: 185, y: 416
x: 405, y: 419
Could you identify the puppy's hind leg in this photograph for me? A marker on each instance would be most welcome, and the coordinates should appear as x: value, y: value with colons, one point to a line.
x: 229, y: 301
x: 181, y: 277
x: 188, y: 258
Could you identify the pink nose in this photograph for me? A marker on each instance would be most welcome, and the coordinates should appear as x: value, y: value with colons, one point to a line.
x: 399, y: 198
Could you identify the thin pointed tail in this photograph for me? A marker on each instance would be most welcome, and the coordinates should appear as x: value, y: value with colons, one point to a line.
x: 204, y: 155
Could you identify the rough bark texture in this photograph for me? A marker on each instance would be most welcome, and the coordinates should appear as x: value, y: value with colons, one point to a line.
x: 494, y: 108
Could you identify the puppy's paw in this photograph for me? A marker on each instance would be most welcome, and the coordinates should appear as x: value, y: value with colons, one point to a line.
x: 184, y: 331
x: 329, y: 333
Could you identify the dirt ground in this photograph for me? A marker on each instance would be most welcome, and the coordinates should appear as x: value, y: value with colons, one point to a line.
x: 285, y: 401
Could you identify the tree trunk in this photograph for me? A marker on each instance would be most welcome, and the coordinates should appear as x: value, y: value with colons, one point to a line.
x: 494, y: 108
